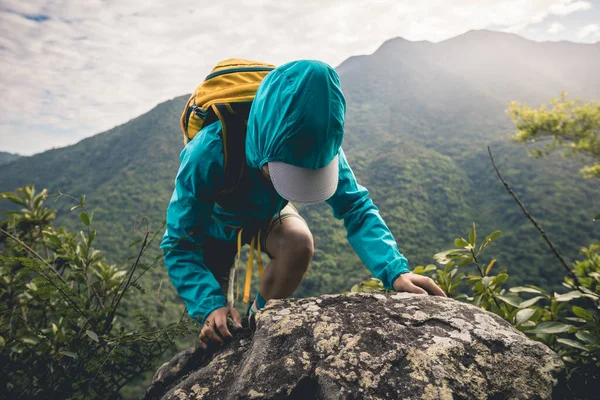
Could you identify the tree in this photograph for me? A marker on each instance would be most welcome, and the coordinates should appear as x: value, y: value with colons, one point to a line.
x: 567, y: 123
x: 62, y: 331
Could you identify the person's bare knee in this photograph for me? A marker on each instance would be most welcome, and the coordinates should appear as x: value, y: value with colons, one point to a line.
x: 299, y: 249
x: 291, y: 244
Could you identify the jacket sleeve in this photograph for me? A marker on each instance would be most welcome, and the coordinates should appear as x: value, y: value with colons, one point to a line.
x: 366, y: 231
x: 188, y: 216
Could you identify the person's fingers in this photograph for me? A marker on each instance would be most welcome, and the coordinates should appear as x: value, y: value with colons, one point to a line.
x: 409, y: 287
x: 213, y: 337
x: 202, y: 345
x: 221, y: 325
x: 428, y: 284
x: 208, y: 334
x: 235, y: 315
x: 204, y: 337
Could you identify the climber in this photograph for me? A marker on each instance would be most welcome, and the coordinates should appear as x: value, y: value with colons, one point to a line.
x: 293, y: 154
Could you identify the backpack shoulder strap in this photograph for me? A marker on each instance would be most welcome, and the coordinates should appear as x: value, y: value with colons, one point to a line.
x: 233, y: 117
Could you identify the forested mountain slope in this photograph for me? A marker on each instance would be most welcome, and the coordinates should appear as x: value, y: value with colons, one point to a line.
x: 420, y: 116
x: 7, y: 157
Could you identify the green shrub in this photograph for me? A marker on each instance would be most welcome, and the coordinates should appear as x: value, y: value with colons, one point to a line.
x: 62, y: 331
x: 569, y: 323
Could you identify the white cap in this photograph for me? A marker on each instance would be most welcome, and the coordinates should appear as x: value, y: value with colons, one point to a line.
x: 304, y: 185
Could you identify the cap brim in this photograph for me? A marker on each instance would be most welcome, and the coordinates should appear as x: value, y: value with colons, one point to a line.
x: 304, y: 185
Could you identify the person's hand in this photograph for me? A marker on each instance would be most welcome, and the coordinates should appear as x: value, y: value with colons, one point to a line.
x: 414, y: 283
x: 215, y: 326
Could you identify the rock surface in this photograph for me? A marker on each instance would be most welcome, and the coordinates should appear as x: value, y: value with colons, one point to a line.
x: 366, y: 346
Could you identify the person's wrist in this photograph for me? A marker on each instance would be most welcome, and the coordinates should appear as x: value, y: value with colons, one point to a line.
x: 398, y: 280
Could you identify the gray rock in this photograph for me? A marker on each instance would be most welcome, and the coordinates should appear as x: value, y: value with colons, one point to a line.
x: 366, y: 346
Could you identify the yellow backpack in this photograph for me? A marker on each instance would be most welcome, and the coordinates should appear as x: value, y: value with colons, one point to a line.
x: 232, y: 82
x: 226, y: 95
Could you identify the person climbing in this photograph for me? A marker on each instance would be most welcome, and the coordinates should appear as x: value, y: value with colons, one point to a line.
x: 291, y: 154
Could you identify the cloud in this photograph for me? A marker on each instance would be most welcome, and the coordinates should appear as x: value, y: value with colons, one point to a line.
x: 568, y: 7
x: 72, y: 69
x: 590, y: 32
x: 556, y: 27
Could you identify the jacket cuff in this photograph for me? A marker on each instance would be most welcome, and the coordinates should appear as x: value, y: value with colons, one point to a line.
x: 209, y: 304
x: 394, y: 271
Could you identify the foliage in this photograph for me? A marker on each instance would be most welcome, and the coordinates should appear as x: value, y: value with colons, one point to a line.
x: 61, y: 310
x: 569, y: 323
x: 568, y: 123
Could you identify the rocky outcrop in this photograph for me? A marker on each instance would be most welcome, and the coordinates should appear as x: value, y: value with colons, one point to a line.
x: 366, y: 346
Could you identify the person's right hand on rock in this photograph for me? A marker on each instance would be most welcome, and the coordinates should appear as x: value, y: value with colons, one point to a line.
x: 215, y: 326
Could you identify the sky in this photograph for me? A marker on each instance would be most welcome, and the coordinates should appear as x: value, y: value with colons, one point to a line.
x: 72, y: 69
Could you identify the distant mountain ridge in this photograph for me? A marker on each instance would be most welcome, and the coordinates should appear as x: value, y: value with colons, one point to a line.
x: 7, y: 157
x: 419, y: 117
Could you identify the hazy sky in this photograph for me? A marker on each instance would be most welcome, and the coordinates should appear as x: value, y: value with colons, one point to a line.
x: 71, y: 69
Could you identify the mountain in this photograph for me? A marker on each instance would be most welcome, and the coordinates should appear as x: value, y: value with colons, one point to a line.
x: 7, y: 157
x: 419, y: 118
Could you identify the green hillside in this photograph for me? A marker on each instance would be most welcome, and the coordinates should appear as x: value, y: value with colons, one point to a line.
x: 7, y: 157
x: 419, y: 118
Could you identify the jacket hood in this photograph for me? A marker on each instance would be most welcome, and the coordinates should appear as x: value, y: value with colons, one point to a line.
x: 297, y: 116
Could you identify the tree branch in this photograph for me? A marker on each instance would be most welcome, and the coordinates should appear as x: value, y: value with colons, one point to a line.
x: 534, y: 222
x: 33, y: 252
x: 114, y: 306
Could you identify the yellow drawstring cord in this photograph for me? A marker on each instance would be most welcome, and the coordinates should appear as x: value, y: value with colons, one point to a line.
x: 261, y: 269
x: 254, y: 243
x: 237, y: 266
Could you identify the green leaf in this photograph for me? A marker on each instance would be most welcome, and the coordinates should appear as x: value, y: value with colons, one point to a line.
x: 492, y: 236
x: 567, y: 296
x: 587, y: 337
x: 501, y: 278
x: 420, y: 270
x: 572, y: 343
x: 91, y: 237
x: 93, y: 335
x: 75, y: 208
x: 466, y: 261
x: 486, y: 280
x: 54, y: 239
x: 68, y: 354
x: 489, y: 267
x: 597, y: 217
x: 85, y: 218
x: 530, y: 302
x: 519, y: 289
x: 524, y: 315
x: 473, y: 236
x: 82, y: 200
x: 551, y: 327
x: 582, y: 313
x: 460, y: 242
x: 32, y: 340
x: 575, y: 319
x: 513, y: 300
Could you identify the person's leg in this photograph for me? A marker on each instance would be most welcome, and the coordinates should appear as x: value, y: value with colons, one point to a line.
x: 290, y: 245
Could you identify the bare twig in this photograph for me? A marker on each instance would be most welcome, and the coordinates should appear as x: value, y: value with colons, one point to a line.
x: 34, y: 253
x: 114, y: 306
x: 534, y: 222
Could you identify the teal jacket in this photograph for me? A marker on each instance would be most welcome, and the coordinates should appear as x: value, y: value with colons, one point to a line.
x: 293, y: 104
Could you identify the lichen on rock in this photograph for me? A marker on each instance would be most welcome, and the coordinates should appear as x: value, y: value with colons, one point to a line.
x: 366, y: 346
